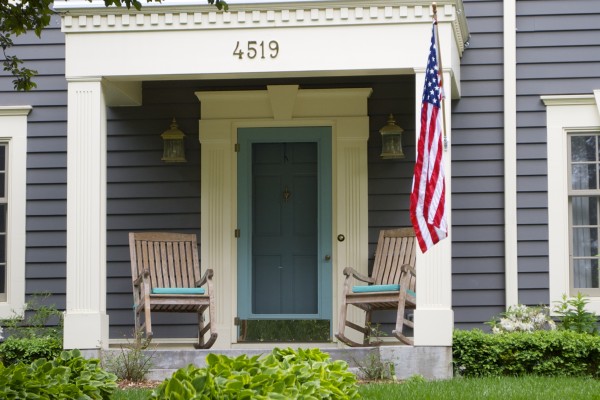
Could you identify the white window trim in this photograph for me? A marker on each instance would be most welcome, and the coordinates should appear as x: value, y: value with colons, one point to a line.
x: 564, y: 115
x: 13, y: 130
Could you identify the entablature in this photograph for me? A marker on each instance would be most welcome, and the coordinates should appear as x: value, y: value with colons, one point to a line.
x: 86, y: 17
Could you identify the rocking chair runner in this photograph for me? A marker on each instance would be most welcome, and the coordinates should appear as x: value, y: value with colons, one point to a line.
x: 391, y: 286
x: 165, y: 272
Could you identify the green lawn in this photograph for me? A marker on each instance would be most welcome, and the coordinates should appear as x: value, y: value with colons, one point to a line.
x: 527, y: 388
x: 132, y: 394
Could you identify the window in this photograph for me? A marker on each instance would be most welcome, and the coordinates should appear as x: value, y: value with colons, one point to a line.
x: 13, y: 155
x: 584, y: 198
x: 573, y: 137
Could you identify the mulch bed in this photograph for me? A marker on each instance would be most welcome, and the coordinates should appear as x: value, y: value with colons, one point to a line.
x: 125, y: 384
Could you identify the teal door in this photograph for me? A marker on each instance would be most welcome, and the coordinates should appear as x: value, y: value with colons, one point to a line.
x: 284, y: 228
x: 284, y: 216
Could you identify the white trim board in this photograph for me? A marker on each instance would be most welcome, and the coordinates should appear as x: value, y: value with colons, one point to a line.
x: 564, y: 114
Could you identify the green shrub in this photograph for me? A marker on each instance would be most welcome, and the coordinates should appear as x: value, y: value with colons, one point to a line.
x: 283, y: 374
x: 36, y: 334
x: 574, y: 316
x: 69, y: 376
x: 26, y: 350
x: 565, y: 353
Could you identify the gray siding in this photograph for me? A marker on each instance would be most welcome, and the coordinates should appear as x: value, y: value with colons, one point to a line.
x: 145, y: 194
x: 558, y: 52
x: 477, y: 230
x: 46, y: 160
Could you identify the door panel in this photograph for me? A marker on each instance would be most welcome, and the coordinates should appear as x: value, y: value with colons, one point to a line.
x: 284, y: 199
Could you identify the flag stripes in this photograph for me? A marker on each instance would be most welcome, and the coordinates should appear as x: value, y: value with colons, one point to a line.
x: 428, y: 196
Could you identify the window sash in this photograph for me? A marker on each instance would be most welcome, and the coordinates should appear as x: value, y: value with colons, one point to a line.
x: 584, y: 204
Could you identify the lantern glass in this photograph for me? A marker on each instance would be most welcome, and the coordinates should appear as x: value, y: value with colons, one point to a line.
x: 174, y: 151
x: 173, y: 144
x: 391, y: 140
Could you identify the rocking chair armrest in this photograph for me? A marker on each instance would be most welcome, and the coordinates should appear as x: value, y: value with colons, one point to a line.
x: 408, y: 268
x: 208, y: 275
x: 349, y: 271
x: 145, y: 273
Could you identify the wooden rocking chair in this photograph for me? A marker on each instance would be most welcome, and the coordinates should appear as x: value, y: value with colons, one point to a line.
x: 391, y: 286
x: 165, y: 272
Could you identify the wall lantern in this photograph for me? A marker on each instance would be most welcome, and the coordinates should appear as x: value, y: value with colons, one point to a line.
x: 174, y: 150
x: 391, y: 140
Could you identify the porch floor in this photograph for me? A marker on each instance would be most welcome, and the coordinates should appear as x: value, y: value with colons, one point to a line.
x: 432, y: 362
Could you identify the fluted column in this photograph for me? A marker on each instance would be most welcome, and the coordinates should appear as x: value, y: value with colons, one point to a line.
x: 434, y: 318
x: 86, y: 321
x: 351, y: 199
x: 217, y: 241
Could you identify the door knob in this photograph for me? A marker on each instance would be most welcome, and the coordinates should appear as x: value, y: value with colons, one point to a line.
x: 327, y: 257
x: 341, y: 238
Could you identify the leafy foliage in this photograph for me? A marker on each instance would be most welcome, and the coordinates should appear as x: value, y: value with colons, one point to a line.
x: 19, y: 17
x: 283, y: 374
x: 522, y: 318
x: 26, y: 350
x: 573, y: 315
x: 37, y: 335
x: 40, y: 319
x: 551, y: 353
x: 69, y: 376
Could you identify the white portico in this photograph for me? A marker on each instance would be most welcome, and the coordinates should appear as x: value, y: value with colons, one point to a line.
x: 110, y: 52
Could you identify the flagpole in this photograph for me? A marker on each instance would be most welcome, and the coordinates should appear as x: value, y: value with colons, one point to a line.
x: 439, y: 60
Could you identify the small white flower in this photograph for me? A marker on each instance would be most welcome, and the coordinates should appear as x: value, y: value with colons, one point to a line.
x: 507, y: 325
x: 524, y: 319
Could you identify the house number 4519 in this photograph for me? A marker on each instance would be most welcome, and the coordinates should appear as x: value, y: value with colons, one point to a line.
x: 253, y: 49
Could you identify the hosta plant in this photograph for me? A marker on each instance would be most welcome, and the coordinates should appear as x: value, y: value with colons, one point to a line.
x: 282, y: 374
x: 69, y: 376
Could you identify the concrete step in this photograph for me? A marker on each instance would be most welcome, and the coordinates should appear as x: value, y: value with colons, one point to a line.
x: 432, y: 362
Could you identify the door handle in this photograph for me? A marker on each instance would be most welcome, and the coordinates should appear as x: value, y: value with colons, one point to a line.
x: 327, y: 257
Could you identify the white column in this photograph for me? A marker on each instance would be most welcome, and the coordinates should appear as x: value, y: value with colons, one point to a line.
x: 86, y: 321
x: 351, y: 208
x: 434, y: 318
x: 217, y: 241
x: 511, y: 262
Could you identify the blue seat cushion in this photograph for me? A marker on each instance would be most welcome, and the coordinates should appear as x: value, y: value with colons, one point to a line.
x: 379, y: 288
x: 168, y: 290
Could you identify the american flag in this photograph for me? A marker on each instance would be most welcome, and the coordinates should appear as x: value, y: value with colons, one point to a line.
x: 427, y: 200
